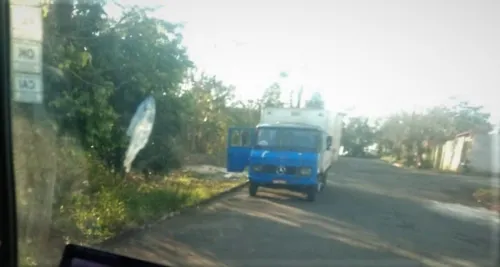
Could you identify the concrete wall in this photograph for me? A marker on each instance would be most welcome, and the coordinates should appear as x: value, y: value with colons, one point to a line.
x: 457, y: 153
x: 451, y: 154
x: 447, y: 155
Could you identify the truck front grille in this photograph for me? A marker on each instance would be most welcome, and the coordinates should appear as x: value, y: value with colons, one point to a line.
x: 290, y: 170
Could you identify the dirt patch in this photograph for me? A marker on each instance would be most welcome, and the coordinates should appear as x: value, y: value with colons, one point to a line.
x: 212, y: 172
x: 462, y: 195
x: 488, y: 197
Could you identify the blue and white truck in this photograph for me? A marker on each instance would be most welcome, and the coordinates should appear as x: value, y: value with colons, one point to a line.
x: 290, y: 148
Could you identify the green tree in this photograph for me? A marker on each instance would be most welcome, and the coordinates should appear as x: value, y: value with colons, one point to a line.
x: 316, y: 101
x: 206, y: 118
x: 245, y: 113
x: 408, y: 136
x: 468, y: 117
x: 357, y: 135
x: 272, y: 97
x: 110, y: 67
x: 97, y: 70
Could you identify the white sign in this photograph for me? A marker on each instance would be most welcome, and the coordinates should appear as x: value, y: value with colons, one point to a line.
x: 27, y: 56
x: 27, y: 82
x: 26, y: 22
x: 26, y: 2
x: 28, y: 88
x: 28, y: 97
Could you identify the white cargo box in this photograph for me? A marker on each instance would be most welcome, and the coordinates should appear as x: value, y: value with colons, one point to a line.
x: 315, y: 117
x: 329, y: 121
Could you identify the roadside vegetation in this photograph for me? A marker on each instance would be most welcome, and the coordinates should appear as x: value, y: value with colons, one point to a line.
x: 408, y: 138
x: 69, y: 151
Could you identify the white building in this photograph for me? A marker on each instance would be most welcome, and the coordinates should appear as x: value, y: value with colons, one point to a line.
x: 480, y: 151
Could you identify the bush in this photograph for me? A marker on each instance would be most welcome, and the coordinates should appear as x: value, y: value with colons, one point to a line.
x: 426, y: 164
x: 98, y: 216
x: 388, y: 158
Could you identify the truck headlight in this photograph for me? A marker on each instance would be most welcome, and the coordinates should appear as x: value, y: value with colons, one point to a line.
x: 257, y: 168
x: 305, y: 171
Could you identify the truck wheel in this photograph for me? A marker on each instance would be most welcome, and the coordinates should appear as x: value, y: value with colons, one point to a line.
x: 311, y: 193
x: 252, y: 189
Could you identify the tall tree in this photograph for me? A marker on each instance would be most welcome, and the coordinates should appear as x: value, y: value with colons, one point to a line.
x: 468, y: 117
x: 110, y: 67
x: 272, y: 96
x: 299, y: 97
x: 316, y: 101
x: 408, y: 136
x: 357, y: 135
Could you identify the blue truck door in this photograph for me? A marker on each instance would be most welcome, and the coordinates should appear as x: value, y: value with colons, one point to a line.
x: 239, y: 145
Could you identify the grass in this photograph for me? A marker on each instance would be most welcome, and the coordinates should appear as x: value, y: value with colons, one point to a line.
x: 92, y: 218
x: 137, y: 202
x: 151, y: 200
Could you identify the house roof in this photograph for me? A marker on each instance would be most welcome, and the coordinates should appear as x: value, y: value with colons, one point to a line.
x: 464, y: 134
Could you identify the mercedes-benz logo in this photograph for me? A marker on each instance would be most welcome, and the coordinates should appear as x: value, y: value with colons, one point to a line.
x: 281, y: 170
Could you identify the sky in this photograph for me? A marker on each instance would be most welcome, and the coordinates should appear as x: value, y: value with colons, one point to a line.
x: 368, y: 57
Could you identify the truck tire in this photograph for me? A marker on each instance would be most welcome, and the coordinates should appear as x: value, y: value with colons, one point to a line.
x: 311, y: 193
x: 252, y: 189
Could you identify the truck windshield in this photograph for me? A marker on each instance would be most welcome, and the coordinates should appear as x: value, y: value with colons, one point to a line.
x: 294, y: 139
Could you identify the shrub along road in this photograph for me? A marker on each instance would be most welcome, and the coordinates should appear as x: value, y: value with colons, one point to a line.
x: 371, y: 214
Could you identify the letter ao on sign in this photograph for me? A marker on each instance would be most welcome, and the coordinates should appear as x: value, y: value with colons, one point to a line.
x: 28, y: 88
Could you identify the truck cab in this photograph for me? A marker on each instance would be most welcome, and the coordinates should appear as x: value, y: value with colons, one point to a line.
x: 292, y: 155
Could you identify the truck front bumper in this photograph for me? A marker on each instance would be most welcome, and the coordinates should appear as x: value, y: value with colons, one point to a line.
x: 286, y: 181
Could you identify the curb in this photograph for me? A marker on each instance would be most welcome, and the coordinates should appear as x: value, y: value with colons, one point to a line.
x: 127, y: 233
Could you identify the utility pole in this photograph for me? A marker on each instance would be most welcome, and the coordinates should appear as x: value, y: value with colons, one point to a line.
x: 299, y: 96
x: 27, y: 94
x: 495, y: 188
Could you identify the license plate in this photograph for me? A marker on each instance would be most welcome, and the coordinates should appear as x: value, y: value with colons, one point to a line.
x: 279, y: 182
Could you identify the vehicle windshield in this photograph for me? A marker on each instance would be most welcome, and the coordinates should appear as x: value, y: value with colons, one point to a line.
x: 292, y: 139
x: 136, y: 123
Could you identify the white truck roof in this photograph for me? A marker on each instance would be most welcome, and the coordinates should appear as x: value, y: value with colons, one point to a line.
x: 324, y: 119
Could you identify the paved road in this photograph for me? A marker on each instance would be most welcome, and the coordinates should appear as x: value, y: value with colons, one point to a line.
x: 371, y: 214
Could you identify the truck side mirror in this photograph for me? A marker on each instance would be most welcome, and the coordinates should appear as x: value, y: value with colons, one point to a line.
x: 328, y: 142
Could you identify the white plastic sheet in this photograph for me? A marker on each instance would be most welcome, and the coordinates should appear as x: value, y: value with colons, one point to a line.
x: 139, y: 130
